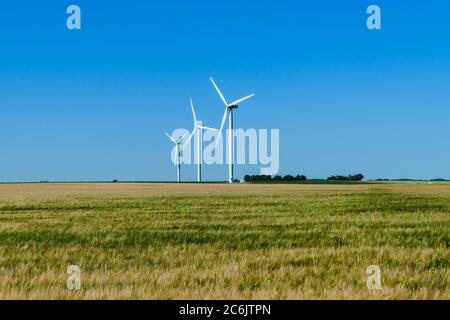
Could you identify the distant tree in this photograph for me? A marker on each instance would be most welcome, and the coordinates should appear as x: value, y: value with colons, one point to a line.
x: 337, y: 178
x: 356, y: 177
x: 267, y: 178
x: 257, y: 178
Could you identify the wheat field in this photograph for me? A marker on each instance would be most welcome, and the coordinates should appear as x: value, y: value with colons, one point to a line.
x: 216, y: 241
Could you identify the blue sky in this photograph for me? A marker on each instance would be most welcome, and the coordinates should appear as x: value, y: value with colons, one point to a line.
x: 94, y: 104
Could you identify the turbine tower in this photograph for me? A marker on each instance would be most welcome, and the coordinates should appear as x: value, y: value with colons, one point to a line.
x: 198, y: 128
x: 178, y: 144
x: 229, y: 107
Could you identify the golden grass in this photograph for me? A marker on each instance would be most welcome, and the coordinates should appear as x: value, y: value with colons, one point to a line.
x: 168, y: 241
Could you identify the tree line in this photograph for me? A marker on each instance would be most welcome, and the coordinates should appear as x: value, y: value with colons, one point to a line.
x: 257, y: 178
x: 356, y: 177
x: 266, y: 178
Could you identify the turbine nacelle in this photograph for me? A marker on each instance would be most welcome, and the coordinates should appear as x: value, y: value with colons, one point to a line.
x: 198, y: 126
x: 179, y: 141
x: 229, y: 106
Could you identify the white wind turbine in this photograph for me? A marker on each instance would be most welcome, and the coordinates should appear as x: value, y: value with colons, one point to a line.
x: 198, y: 128
x: 178, y: 144
x: 229, y: 111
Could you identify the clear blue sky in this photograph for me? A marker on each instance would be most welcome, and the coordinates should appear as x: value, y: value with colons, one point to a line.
x: 94, y: 104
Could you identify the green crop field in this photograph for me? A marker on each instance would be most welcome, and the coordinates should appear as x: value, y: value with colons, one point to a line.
x: 167, y: 241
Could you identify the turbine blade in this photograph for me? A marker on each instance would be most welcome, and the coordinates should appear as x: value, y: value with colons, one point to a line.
x: 235, y: 103
x: 218, y: 91
x: 193, y: 111
x: 182, y: 138
x: 208, y: 128
x: 221, y: 126
x: 189, y: 139
x: 170, y: 137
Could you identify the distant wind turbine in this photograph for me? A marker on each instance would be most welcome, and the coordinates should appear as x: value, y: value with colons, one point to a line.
x: 178, y: 144
x: 229, y: 111
x: 198, y: 128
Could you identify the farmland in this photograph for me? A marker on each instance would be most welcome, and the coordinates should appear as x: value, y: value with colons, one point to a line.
x: 216, y: 241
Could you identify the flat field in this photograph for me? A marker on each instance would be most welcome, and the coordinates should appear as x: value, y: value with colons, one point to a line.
x: 216, y: 241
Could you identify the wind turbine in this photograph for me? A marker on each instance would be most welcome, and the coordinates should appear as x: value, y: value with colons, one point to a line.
x: 198, y: 128
x: 178, y: 144
x: 229, y: 111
